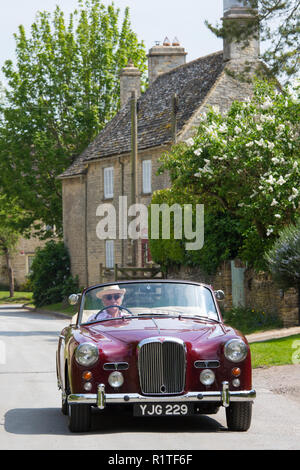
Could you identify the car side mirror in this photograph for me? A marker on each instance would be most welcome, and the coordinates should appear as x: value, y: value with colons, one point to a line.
x: 74, y: 299
x: 219, y: 295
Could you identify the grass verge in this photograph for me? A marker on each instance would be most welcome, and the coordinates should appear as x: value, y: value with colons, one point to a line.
x: 18, y: 298
x: 276, y: 352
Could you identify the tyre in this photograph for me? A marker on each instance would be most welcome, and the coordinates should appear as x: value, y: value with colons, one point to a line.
x: 79, y: 418
x: 64, y: 397
x: 64, y: 404
x: 238, y: 416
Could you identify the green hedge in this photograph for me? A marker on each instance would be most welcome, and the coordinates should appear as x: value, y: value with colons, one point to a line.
x: 50, y: 278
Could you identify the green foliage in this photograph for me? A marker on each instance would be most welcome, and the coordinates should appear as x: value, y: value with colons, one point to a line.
x: 63, y: 89
x: 283, y: 259
x: 221, y: 238
x: 248, y: 320
x: 245, y: 163
x: 50, y: 278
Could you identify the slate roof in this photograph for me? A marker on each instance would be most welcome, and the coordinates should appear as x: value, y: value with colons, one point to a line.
x: 191, y: 82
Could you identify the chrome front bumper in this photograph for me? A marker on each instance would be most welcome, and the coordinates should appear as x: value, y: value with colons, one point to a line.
x: 224, y: 397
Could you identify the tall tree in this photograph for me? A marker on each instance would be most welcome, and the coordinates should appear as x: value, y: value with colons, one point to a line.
x: 246, y: 164
x: 13, y: 221
x: 63, y: 89
x: 278, y: 22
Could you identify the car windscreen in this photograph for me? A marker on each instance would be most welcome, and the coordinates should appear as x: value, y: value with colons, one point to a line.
x: 155, y: 298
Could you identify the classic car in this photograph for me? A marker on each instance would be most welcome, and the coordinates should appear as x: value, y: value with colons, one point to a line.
x: 159, y: 347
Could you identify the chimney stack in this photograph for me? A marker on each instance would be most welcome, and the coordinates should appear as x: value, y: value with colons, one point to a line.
x: 238, y: 15
x: 162, y: 59
x: 130, y: 80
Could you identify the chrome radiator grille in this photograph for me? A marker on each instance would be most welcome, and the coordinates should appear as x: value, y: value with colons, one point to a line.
x: 162, y: 366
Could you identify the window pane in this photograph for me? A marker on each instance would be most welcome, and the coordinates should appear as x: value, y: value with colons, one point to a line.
x: 108, y: 182
x: 147, y: 170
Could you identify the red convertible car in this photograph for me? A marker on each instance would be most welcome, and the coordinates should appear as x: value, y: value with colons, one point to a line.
x: 159, y: 347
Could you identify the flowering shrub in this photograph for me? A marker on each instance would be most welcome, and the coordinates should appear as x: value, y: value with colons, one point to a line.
x: 245, y: 163
x: 284, y: 258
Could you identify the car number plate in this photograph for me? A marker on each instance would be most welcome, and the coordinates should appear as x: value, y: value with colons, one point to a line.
x: 163, y: 409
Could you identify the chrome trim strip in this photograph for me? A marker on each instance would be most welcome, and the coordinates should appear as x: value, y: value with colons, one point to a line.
x: 207, y: 364
x: 101, y: 399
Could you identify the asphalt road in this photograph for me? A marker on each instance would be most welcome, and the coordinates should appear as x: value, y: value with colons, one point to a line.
x: 30, y: 416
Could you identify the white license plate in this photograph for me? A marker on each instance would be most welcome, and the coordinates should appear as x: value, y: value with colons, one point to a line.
x: 163, y: 409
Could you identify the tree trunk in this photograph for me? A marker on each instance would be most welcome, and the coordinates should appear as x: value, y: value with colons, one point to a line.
x: 10, y: 273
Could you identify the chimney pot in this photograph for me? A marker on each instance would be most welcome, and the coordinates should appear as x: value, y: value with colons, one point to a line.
x: 175, y: 42
x: 162, y: 59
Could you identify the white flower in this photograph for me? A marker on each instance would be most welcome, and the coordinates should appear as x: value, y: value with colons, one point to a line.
x: 295, y: 165
x: 267, y: 104
x: 281, y: 181
x: 259, y: 128
x: 271, y: 180
x: 249, y: 144
x: 274, y: 202
x: 278, y: 216
x: 260, y: 142
x: 269, y: 231
x: 271, y: 145
x: 237, y: 130
x: 190, y: 142
x: 198, y: 152
x: 223, y: 128
x: 215, y: 109
x: 275, y: 160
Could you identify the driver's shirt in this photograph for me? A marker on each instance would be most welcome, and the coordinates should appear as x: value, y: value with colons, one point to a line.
x: 101, y: 316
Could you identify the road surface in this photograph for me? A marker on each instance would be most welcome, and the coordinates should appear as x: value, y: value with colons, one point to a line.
x: 30, y: 416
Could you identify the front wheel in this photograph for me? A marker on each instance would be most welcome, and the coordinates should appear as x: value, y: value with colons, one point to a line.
x: 238, y: 416
x: 79, y: 418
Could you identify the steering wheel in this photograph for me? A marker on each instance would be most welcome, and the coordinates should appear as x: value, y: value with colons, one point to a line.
x: 120, y: 307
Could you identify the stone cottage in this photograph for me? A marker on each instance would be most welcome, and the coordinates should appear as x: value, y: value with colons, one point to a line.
x: 178, y: 93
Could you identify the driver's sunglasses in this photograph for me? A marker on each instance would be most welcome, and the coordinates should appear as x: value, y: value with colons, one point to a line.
x: 112, y: 296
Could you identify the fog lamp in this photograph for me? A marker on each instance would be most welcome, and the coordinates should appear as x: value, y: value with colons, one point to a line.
x: 116, y: 379
x: 87, y: 386
x: 207, y: 377
x: 236, y: 382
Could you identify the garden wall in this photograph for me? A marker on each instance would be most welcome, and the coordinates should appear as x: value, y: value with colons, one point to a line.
x: 260, y: 292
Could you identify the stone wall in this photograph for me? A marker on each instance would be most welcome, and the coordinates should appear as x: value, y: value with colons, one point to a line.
x: 261, y: 293
x: 21, y: 259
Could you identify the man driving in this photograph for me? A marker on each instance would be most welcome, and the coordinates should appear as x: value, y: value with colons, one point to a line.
x: 112, y: 298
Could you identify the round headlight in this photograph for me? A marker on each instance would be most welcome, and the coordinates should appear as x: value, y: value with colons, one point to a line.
x: 115, y: 379
x: 207, y: 377
x: 86, y: 354
x: 235, y: 350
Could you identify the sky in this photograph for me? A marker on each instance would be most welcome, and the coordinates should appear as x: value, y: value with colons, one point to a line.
x: 151, y: 20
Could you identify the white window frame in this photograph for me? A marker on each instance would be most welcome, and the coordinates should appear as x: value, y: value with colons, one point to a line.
x: 109, y: 254
x: 108, y: 178
x: 147, y: 176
